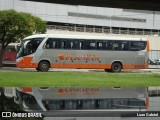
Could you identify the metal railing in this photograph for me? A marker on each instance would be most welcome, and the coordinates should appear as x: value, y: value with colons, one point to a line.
x: 103, y: 30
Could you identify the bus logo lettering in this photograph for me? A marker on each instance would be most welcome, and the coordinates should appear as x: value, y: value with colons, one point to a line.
x: 90, y: 57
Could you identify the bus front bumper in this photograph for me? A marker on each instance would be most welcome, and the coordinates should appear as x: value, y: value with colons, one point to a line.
x: 26, y: 62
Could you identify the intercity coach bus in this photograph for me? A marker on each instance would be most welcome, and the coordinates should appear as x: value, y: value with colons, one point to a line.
x: 46, y: 51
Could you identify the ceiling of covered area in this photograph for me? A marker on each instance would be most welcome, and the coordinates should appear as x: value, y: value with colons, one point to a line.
x: 153, y: 5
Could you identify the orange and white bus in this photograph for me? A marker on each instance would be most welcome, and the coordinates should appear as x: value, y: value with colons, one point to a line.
x: 46, y: 51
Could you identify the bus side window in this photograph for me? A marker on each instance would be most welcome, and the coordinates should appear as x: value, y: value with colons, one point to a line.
x: 75, y: 44
x: 124, y: 45
x: 63, y: 44
x: 99, y: 45
x: 89, y: 45
x: 58, y: 43
x: 51, y: 43
x: 71, y: 44
x: 107, y: 45
x: 80, y: 45
x: 92, y: 45
x: 86, y: 45
x: 134, y: 46
x: 141, y: 45
x: 68, y: 45
x: 117, y: 45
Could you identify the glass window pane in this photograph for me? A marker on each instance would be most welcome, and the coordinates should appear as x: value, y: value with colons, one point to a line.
x: 138, y: 45
x: 124, y: 45
x: 51, y: 43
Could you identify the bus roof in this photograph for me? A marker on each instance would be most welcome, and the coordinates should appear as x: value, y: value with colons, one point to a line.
x: 85, y: 37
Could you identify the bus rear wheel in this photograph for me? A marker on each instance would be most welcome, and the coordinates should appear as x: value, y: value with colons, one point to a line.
x: 116, y: 67
x: 43, y: 66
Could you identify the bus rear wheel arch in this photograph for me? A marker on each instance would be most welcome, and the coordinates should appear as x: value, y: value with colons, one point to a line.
x: 43, y: 66
x: 116, y: 67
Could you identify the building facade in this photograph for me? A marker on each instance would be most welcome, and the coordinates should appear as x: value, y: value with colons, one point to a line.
x: 93, y: 19
x: 87, y: 15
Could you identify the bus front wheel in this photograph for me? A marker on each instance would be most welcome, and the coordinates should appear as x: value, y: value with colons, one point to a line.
x: 43, y: 66
x: 116, y: 67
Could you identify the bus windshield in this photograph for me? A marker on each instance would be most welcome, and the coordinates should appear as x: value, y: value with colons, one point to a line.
x: 28, y: 46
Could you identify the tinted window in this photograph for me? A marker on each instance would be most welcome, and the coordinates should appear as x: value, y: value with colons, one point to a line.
x: 52, y: 43
x: 29, y: 46
x: 104, y: 45
x: 75, y: 44
x: 125, y: 45
x: 88, y: 45
x: 138, y: 45
x: 70, y: 44
x: 81, y: 44
x: 99, y: 45
x: 92, y: 45
x: 116, y: 45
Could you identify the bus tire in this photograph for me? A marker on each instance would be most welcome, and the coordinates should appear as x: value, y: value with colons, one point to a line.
x: 43, y: 66
x: 116, y: 67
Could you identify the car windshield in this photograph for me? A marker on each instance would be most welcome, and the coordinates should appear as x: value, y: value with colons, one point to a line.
x: 29, y: 46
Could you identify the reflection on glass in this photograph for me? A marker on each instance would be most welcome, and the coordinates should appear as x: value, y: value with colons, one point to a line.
x: 79, y: 98
x: 28, y: 46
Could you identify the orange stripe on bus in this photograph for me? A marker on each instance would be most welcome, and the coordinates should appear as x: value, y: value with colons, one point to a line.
x: 88, y: 66
x: 96, y: 66
x: 26, y: 63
